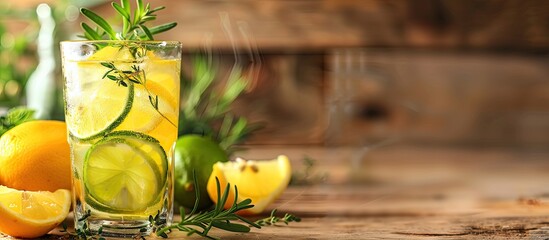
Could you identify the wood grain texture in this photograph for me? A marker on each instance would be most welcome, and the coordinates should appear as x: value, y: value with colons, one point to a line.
x: 304, y: 25
x: 400, y: 192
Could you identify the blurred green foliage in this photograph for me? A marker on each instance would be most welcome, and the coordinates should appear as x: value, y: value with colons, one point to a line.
x: 17, y: 58
x: 14, y: 117
x: 206, y: 104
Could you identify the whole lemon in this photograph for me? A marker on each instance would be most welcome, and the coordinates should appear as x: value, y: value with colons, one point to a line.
x: 195, y: 154
x: 35, y: 156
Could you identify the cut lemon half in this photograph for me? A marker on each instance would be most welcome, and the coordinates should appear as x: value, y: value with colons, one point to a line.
x: 125, y: 172
x: 99, y: 108
x: 28, y: 214
x: 260, y: 181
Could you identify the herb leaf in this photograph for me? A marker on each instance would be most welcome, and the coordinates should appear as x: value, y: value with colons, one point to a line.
x: 121, y: 11
x: 90, y: 32
x: 133, y: 27
x: 14, y: 117
x: 224, y: 219
x: 162, y: 28
x: 273, y: 219
x: 232, y: 227
x: 157, y: 9
x: 146, y: 31
x: 126, y: 5
x: 140, y: 7
x: 99, y: 21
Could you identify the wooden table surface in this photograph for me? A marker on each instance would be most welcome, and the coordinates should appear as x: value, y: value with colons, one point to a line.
x: 414, y: 193
x: 411, y: 193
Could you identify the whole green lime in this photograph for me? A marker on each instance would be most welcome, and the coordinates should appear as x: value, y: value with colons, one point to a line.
x: 198, y: 154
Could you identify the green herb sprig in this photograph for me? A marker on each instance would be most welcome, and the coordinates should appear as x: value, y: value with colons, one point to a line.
x: 14, y: 117
x: 133, y: 27
x: 84, y: 232
x: 201, y: 223
x: 273, y: 219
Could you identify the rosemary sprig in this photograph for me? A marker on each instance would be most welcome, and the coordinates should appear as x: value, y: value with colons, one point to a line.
x: 84, y: 232
x: 201, y: 223
x: 273, y: 219
x: 133, y: 27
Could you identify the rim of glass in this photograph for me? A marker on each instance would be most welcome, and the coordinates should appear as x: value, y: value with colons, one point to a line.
x: 148, y: 42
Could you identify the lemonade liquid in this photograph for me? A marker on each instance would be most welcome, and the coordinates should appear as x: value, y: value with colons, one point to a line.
x: 121, y: 109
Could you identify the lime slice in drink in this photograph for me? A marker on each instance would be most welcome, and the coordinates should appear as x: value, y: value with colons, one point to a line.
x: 147, y: 145
x: 100, y: 107
x: 125, y: 172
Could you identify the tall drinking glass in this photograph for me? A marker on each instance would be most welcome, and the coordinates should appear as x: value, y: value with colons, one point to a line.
x: 122, y: 110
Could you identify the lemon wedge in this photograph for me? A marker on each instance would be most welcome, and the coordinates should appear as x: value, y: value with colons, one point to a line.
x: 260, y: 181
x: 28, y: 214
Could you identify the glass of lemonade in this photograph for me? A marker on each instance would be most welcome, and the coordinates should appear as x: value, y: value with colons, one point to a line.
x: 122, y: 113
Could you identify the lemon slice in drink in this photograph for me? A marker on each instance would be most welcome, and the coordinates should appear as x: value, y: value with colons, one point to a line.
x: 144, y: 116
x: 100, y: 107
x: 165, y: 73
x: 125, y: 172
x: 165, y: 132
x: 110, y: 53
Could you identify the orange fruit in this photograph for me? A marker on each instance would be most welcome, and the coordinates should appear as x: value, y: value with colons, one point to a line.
x: 35, y: 156
x: 260, y: 181
x: 27, y: 214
